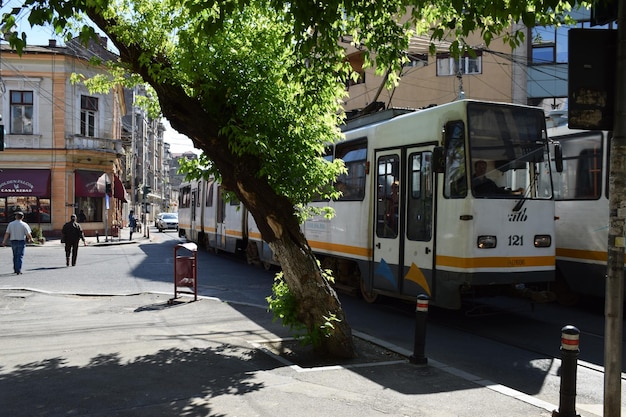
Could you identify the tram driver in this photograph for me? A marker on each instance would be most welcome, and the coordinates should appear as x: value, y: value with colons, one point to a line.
x: 483, y: 185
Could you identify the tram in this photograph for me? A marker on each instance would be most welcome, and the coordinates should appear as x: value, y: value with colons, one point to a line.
x: 446, y: 201
x: 582, y: 209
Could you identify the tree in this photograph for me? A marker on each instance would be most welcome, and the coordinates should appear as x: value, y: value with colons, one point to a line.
x: 256, y: 84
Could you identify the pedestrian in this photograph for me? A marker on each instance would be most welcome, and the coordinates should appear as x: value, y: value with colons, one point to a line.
x: 82, y: 218
x: 71, y: 235
x: 18, y: 232
x: 132, y: 223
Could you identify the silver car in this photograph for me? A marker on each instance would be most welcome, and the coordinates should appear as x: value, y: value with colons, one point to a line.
x: 167, y: 221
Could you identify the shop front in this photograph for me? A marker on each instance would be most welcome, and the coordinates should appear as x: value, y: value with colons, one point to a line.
x: 27, y: 190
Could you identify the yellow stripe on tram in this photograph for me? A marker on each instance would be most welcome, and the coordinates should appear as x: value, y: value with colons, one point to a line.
x: 496, y: 262
x: 345, y: 249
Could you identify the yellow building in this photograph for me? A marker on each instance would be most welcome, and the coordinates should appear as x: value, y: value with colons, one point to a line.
x: 62, y: 144
x: 494, y: 73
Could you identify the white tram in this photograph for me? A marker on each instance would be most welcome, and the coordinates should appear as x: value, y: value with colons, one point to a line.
x: 582, y: 209
x: 412, y: 219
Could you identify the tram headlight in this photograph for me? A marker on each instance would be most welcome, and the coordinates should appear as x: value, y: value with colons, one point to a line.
x: 487, y: 242
x: 543, y: 241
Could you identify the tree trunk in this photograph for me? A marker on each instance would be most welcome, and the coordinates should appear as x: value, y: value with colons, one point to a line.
x: 279, y: 226
x: 273, y: 213
x: 316, y: 298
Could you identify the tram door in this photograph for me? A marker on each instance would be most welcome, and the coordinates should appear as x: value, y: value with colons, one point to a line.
x: 220, y: 225
x: 418, y: 250
x: 403, y: 236
x: 388, y: 211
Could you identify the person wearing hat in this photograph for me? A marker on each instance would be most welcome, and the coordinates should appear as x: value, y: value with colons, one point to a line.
x: 71, y: 235
x: 18, y: 232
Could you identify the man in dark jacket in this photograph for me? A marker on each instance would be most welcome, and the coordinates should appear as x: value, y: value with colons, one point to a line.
x: 72, y: 234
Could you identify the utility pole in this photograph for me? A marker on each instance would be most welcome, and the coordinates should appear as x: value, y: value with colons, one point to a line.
x: 613, y: 313
x: 133, y: 156
x: 144, y: 175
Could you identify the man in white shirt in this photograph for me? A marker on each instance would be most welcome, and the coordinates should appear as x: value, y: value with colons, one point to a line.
x: 18, y: 232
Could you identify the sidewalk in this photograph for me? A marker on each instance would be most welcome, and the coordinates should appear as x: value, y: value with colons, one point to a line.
x: 122, y: 238
x: 142, y: 356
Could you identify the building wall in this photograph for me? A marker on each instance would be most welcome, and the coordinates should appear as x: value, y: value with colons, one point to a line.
x: 55, y: 143
x: 420, y: 86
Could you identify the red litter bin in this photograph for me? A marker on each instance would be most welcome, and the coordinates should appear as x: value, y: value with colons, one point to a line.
x: 185, y: 270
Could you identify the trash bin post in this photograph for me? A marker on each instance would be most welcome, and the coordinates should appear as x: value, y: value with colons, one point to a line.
x: 185, y: 271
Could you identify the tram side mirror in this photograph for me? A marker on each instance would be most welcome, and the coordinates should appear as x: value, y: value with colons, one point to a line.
x: 439, y: 160
x: 558, y: 157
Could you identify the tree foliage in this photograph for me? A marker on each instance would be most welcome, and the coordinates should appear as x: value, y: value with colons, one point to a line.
x: 258, y: 84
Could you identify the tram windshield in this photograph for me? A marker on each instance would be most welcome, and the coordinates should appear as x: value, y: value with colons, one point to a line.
x: 508, y: 152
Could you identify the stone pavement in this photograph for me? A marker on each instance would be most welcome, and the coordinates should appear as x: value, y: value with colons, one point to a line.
x: 70, y: 355
x: 145, y: 355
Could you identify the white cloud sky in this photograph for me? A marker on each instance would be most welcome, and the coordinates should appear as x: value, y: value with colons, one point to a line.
x: 178, y: 143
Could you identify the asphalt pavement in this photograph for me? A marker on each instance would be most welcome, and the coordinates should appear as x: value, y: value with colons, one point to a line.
x: 91, y: 341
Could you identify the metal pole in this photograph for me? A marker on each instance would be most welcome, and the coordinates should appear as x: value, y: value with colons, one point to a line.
x: 421, y: 314
x: 133, y: 157
x: 570, y: 336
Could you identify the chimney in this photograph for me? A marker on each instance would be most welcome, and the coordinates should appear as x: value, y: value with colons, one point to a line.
x: 52, y: 43
x: 103, y: 41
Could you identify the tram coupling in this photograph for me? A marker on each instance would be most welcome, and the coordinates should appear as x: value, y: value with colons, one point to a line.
x: 535, y: 295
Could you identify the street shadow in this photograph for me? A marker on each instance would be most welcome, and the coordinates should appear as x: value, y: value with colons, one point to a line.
x: 171, y: 382
x: 163, y: 306
x: 48, y: 268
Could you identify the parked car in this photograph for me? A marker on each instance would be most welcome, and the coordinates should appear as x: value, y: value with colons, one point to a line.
x: 167, y: 221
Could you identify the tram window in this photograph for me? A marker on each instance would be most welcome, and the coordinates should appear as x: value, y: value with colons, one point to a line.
x: 589, y: 174
x: 455, y: 182
x: 388, y: 196
x: 209, y: 195
x: 581, y: 178
x: 184, y: 196
x: 352, y: 183
x: 420, y: 198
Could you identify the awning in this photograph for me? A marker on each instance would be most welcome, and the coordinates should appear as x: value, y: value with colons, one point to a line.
x: 25, y: 182
x: 119, y: 191
x: 90, y: 183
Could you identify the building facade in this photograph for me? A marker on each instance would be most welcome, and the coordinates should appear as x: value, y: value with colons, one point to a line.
x: 62, y: 144
x: 491, y: 73
x: 548, y: 63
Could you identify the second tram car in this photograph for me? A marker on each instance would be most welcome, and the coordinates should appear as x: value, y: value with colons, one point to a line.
x: 444, y: 201
x: 582, y: 209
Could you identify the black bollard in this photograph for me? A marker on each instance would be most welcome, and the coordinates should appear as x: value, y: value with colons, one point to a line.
x: 570, y: 336
x: 97, y: 237
x: 421, y: 313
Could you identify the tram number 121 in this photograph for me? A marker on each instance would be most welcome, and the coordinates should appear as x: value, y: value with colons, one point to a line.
x: 516, y: 240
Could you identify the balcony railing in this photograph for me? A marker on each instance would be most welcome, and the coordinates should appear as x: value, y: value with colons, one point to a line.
x: 22, y: 141
x: 89, y: 143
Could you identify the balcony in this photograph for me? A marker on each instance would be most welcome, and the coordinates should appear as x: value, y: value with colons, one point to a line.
x: 22, y: 141
x: 113, y: 146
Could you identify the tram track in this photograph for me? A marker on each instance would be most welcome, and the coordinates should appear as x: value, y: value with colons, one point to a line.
x: 502, y: 325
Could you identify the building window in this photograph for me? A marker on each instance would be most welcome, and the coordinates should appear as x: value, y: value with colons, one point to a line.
x: 88, y: 112
x: 356, y: 61
x: 416, y: 60
x: 448, y: 65
x: 550, y: 43
x: 92, y: 207
x: 36, y: 209
x: 22, y: 112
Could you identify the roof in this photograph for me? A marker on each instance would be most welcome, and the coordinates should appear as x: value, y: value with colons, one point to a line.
x: 73, y: 48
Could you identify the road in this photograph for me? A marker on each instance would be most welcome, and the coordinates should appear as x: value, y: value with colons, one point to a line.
x: 509, y: 343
